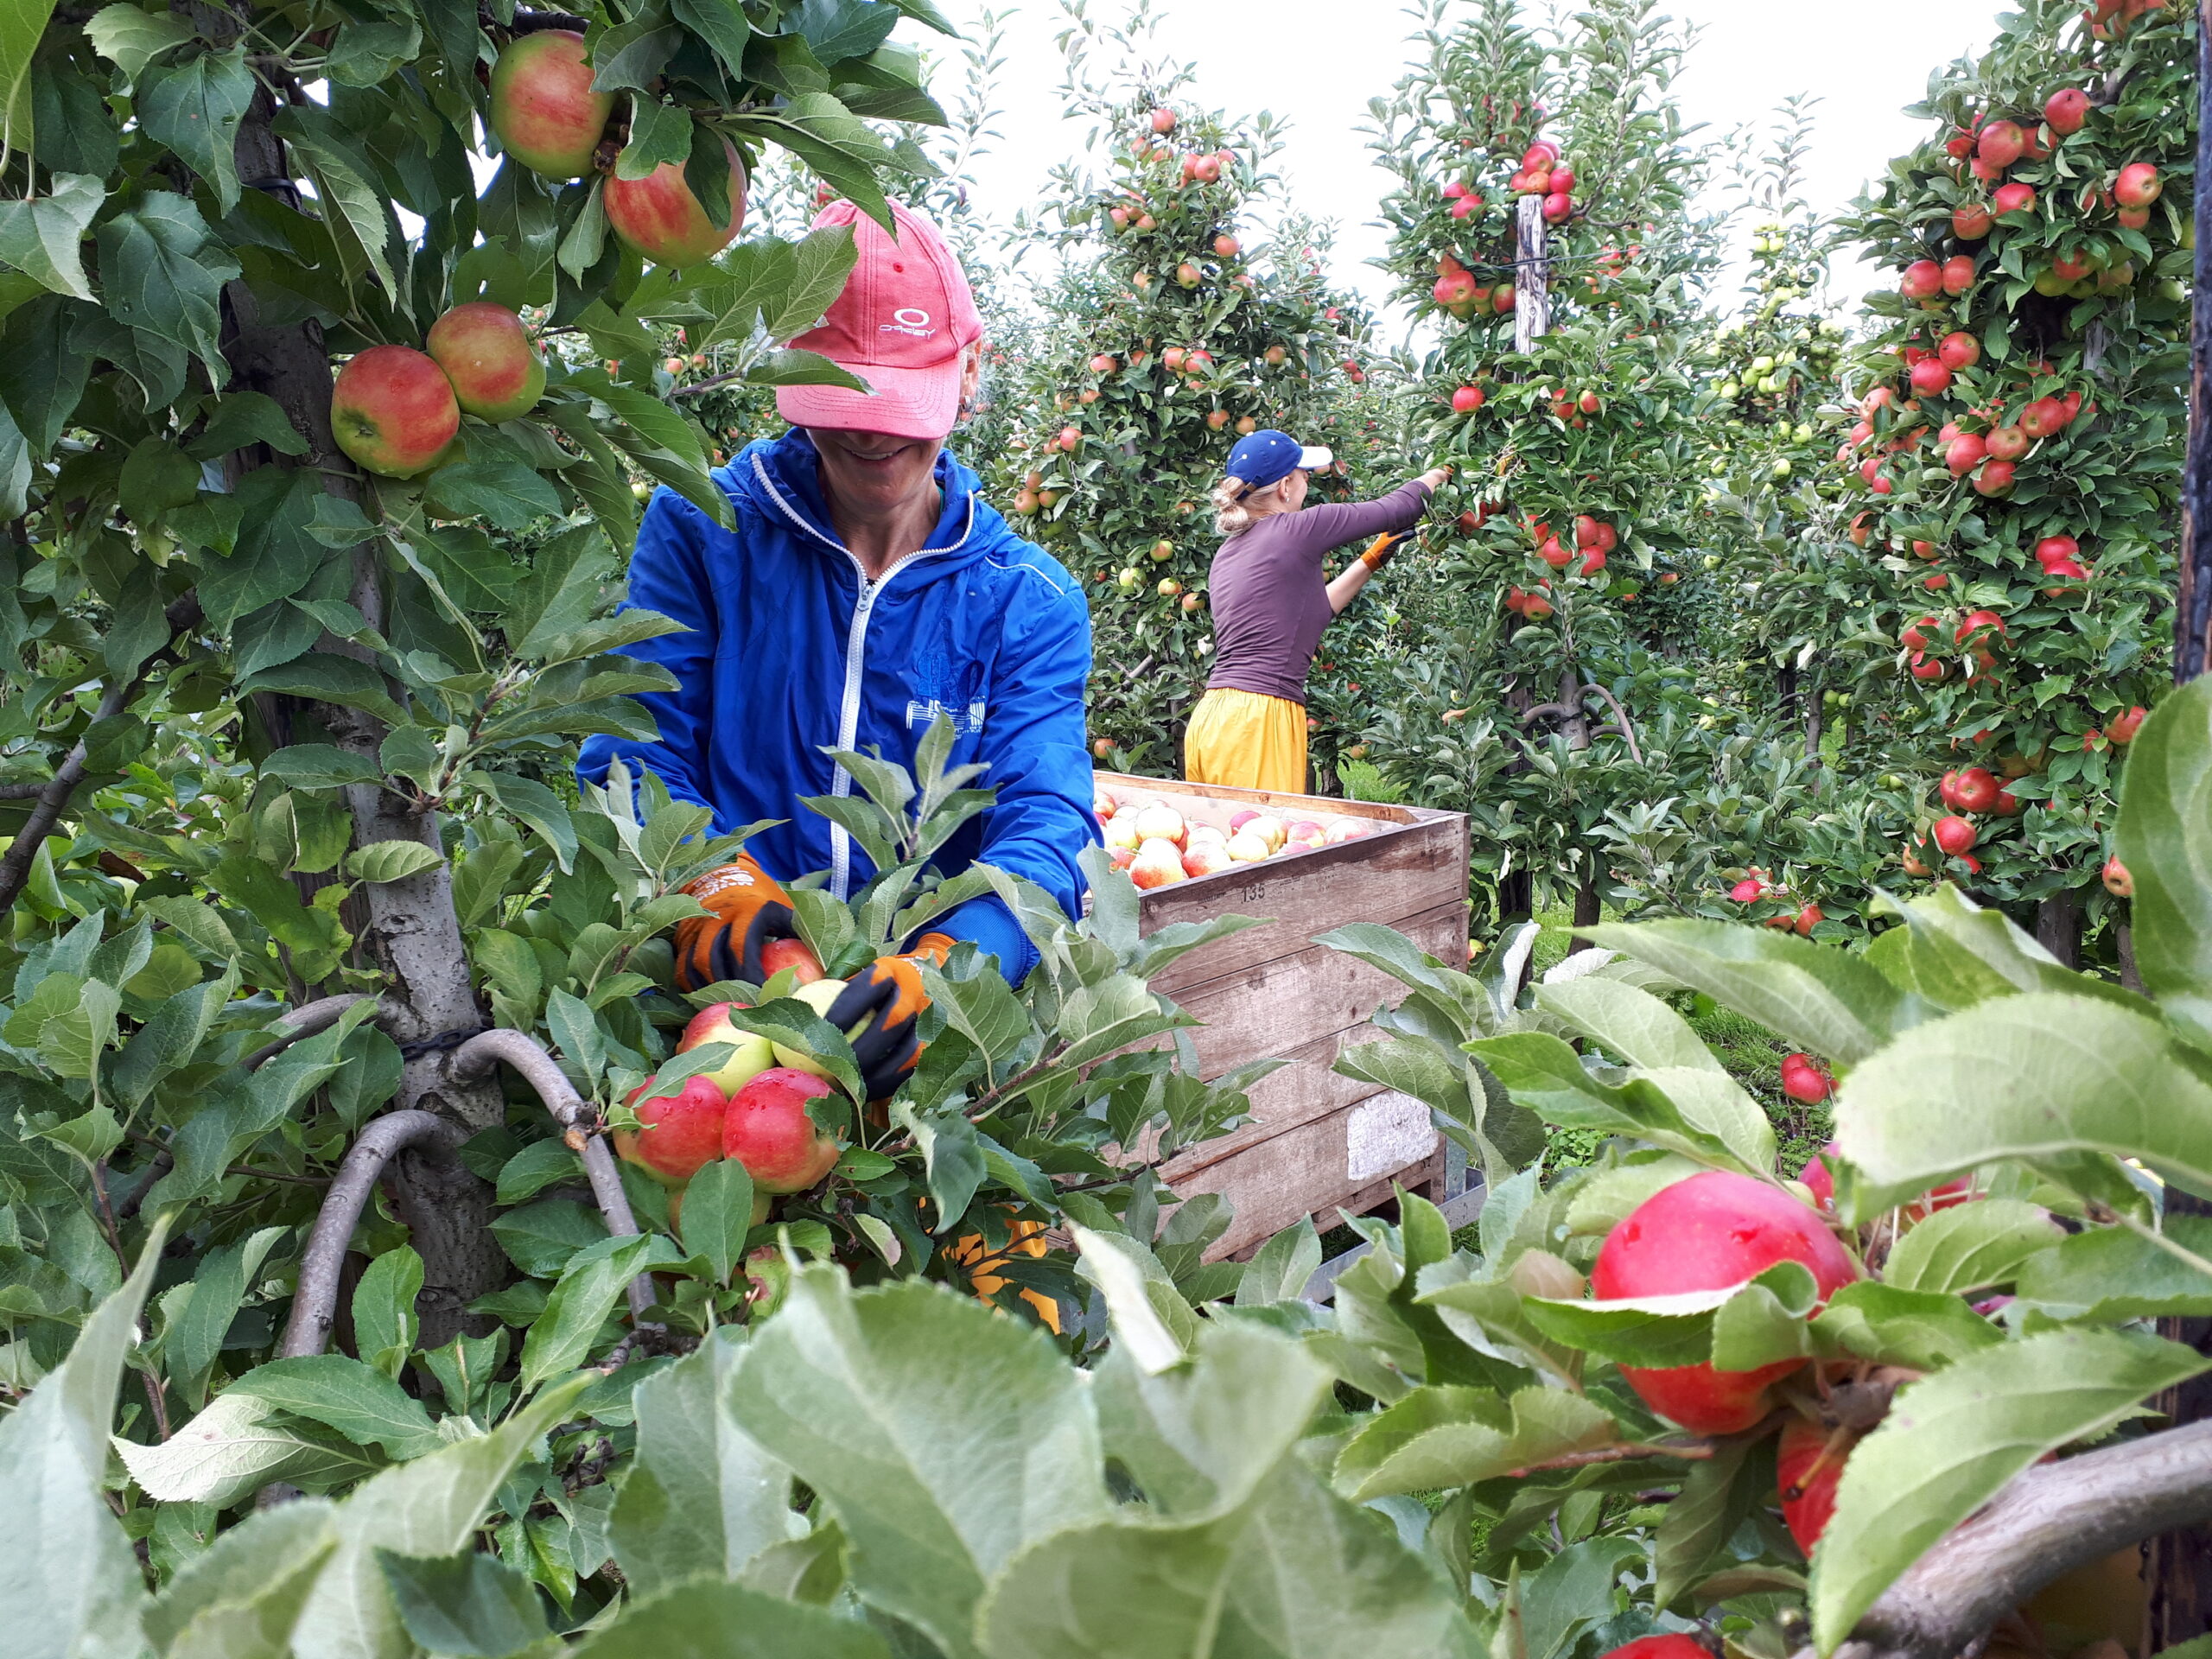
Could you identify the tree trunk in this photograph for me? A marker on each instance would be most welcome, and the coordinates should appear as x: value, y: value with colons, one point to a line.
x: 2058, y: 927
x: 1588, y: 912
x: 411, y: 932
x: 2177, y: 1565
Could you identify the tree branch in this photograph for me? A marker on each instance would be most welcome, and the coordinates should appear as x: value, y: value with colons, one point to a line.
x: 2052, y: 1519
x: 522, y: 1052
x: 52, y: 796
x: 301, y: 1023
x: 1628, y: 732
x: 54, y: 799
x: 315, y: 1305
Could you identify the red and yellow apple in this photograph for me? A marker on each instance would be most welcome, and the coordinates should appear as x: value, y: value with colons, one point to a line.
x: 487, y: 354
x: 543, y: 110
x: 393, y: 411
x: 767, y: 1130
x: 677, y: 1133
x: 1158, y: 863
x: 659, y: 217
x: 1160, y: 822
x: 1246, y: 848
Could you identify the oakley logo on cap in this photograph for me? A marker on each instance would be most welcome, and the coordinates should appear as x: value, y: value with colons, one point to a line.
x: 909, y: 320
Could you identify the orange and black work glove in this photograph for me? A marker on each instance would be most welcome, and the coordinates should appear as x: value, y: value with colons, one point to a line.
x: 888, y: 994
x: 748, y: 910
x: 1383, y: 549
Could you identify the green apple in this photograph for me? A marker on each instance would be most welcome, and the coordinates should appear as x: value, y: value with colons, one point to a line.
x: 712, y: 1025
x: 819, y: 995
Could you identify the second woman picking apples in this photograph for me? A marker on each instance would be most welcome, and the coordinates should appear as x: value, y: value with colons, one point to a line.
x: 1271, y: 603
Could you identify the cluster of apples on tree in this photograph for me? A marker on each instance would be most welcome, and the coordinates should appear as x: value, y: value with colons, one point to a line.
x: 396, y: 410
x: 753, y: 1108
x: 2015, y: 442
x: 1158, y: 843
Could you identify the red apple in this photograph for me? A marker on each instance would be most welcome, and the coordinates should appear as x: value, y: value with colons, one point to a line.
x: 659, y: 217
x: 1707, y: 1233
x: 487, y: 354
x: 1804, y: 1080
x: 1922, y: 280
x: 2001, y: 143
x: 2137, y: 185
x: 2121, y: 728
x: 712, y: 1025
x: 1930, y: 378
x: 393, y: 409
x: 1970, y: 222
x: 1964, y: 454
x: 1808, y: 1464
x: 1226, y: 246
x: 1304, y: 833
x: 1973, y: 790
x: 794, y: 954
x: 2118, y: 882
x: 2007, y: 443
x: 1660, y: 1647
x: 767, y: 1130
x: 1818, y: 1176
x: 2066, y: 110
x: 2013, y: 199
x: 677, y: 1133
x: 1959, y: 350
x: 543, y: 110
x: 1163, y: 121
x: 1954, y: 835
x: 1466, y: 400
x: 1958, y: 274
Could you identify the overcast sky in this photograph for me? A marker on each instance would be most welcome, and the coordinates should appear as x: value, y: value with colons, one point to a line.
x: 1317, y: 64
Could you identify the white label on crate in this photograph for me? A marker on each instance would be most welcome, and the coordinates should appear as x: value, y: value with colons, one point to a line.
x: 1385, y: 1134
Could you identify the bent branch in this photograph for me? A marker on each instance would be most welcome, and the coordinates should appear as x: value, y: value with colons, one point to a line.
x: 2050, y: 1520
x: 480, y: 1053
x: 301, y: 1023
x: 54, y: 799
x: 315, y: 1305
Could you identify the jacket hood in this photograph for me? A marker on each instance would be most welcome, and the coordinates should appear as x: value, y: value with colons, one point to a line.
x: 783, y: 475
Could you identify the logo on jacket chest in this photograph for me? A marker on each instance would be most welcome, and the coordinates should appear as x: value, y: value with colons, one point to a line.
x: 941, y: 686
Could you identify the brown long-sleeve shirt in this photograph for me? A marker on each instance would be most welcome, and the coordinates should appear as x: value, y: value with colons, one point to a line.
x: 1270, y: 600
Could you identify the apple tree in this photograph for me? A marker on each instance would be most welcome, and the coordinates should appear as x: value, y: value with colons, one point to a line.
x: 325, y: 982
x: 2017, y: 457
x: 1165, y: 339
x: 1542, y: 220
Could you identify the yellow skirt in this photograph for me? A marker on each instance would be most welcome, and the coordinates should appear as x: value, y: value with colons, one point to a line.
x: 1247, y: 741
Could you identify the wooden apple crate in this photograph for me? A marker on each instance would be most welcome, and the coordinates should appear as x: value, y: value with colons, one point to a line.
x: 1317, y: 1142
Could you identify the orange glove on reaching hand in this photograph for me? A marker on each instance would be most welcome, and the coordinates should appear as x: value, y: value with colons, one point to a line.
x: 1383, y: 548
x: 749, y: 912
x: 887, y: 993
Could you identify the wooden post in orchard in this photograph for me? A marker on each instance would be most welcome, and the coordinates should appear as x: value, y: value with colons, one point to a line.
x: 1532, y: 276
x: 1532, y: 320
x: 2177, y: 1565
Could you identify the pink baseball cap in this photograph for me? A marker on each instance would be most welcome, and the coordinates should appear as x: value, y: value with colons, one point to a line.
x: 905, y: 318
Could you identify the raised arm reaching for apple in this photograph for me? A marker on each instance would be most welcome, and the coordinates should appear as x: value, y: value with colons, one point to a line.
x: 1270, y: 605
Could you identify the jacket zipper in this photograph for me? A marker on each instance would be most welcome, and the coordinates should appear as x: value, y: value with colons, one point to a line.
x: 849, y: 707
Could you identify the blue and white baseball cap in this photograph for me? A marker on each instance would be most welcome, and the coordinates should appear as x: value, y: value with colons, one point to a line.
x: 1268, y: 457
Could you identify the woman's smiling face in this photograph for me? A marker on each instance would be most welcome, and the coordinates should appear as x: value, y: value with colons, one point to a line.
x: 869, y: 474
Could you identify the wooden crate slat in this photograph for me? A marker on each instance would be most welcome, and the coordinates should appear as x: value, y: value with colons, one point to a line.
x: 1309, y: 1170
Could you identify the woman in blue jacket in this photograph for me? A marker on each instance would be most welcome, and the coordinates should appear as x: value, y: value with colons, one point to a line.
x: 865, y: 589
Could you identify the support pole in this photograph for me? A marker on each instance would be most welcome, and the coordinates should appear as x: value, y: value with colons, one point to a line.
x: 1532, y: 275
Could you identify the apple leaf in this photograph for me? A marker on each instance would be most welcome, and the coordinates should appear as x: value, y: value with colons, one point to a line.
x: 1970, y: 1246
x: 1446, y: 1437
x: 2024, y: 1077
x: 2165, y: 841
x: 1952, y: 1440
x: 1817, y: 997
x: 2109, y: 1273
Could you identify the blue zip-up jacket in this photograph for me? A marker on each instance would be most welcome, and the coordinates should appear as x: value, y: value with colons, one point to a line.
x: 789, y: 650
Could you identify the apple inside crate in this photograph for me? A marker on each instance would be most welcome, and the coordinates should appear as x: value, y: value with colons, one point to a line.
x: 1317, y: 1142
